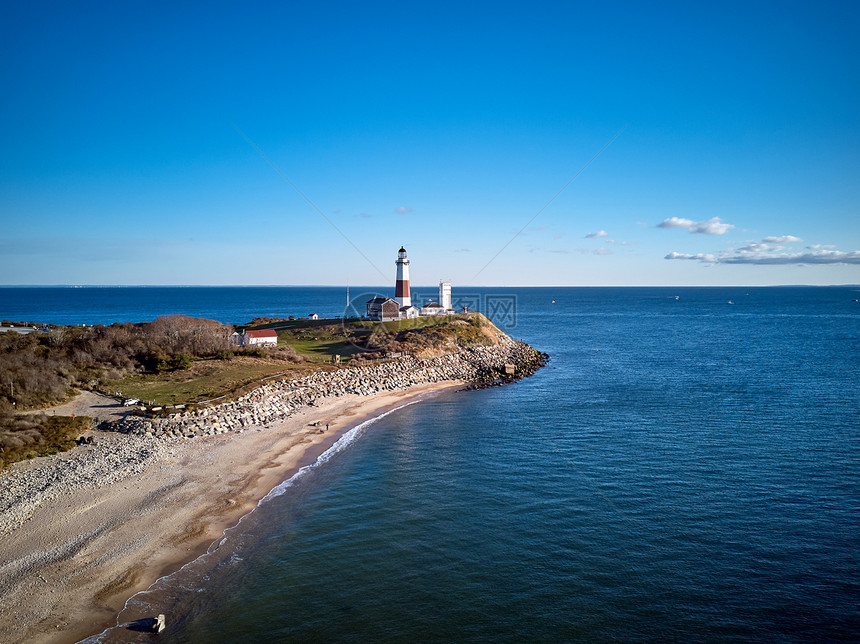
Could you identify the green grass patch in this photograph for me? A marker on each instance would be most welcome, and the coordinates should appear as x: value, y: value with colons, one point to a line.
x: 291, y: 324
x: 318, y: 349
x: 204, y: 380
x: 319, y: 340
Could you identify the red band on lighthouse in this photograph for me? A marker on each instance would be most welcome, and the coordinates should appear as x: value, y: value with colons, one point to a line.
x: 402, y: 288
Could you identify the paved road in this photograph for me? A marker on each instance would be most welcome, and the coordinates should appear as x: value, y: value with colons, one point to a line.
x: 17, y: 329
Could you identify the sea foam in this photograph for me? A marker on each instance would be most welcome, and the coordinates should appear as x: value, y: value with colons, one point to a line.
x: 145, y: 602
x: 339, y: 445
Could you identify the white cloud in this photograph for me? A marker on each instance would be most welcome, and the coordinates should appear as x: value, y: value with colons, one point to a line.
x: 603, y: 251
x: 764, y: 254
x: 463, y: 250
x: 784, y: 239
x: 402, y: 210
x: 365, y: 215
x: 599, y: 233
x: 712, y: 226
x: 757, y: 247
x: 702, y: 257
x: 676, y: 222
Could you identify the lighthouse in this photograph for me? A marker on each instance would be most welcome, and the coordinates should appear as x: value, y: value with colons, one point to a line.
x: 401, y: 288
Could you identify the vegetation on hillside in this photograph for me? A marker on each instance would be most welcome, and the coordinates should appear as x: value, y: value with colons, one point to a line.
x: 363, y: 339
x: 178, y: 359
x: 38, y: 369
x: 206, y: 380
x: 28, y: 436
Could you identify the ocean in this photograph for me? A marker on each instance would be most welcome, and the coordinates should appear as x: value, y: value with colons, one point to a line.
x: 685, y: 468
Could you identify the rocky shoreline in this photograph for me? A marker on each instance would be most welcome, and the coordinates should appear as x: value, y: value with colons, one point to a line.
x: 478, y: 367
x: 127, y: 446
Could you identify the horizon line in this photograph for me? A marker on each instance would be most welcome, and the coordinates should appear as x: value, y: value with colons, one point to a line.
x: 857, y: 285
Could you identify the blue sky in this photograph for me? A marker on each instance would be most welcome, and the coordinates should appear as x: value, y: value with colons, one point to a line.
x: 145, y: 143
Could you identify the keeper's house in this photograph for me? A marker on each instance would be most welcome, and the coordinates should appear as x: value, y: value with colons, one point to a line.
x: 383, y: 308
x: 263, y: 337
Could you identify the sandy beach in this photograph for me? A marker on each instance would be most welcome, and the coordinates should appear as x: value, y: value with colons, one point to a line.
x: 68, y: 570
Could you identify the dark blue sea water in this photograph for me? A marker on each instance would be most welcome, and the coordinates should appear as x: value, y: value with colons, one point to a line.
x: 231, y: 305
x: 684, y: 469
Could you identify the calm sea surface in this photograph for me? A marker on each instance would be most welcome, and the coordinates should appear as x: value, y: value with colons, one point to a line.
x: 684, y: 469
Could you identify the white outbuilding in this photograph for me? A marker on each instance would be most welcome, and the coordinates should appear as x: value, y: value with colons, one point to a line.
x: 432, y: 308
x: 263, y: 337
x: 409, y: 312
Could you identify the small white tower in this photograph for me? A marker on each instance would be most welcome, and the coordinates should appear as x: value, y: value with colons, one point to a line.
x: 445, y: 295
x: 401, y: 287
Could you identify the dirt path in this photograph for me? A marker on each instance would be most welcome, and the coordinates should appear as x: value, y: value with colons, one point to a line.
x: 87, y: 403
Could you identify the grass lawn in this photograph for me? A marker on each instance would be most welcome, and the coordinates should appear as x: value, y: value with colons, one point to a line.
x: 319, y: 340
x: 203, y: 380
x: 319, y: 349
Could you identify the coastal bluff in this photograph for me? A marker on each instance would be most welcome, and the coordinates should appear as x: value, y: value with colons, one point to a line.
x: 126, y: 444
x: 477, y: 367
x: 106, y: 519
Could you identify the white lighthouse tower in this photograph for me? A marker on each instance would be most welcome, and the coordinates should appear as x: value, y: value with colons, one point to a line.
x: 401, y: 288
x: 445, y: 296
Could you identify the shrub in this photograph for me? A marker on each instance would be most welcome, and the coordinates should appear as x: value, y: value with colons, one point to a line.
x: 181, y: 361
x: 173, y: 363
x: 23, y: 437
